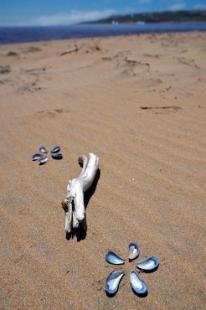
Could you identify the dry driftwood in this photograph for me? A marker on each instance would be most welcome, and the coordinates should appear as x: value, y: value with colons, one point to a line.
x: 71, y: 50
x: 73, y: 204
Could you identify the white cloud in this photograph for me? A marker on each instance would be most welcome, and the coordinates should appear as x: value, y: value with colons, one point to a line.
x: 177, y: 6
x: 70, y: 18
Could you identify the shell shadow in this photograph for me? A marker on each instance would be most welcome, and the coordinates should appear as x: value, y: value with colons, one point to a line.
x: 110, y: 295
x: 81, y: 232
x: 140, y: 295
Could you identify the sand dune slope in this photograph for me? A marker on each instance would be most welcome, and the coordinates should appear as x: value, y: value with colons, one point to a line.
x: 139, y: 103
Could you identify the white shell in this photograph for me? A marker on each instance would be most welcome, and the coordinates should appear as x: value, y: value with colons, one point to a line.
x: 133, y: 250
x: 43, y: 150
x: 112, y: 282
x: 149, y: 264
x: 138, y: 285
x: 112, y: 258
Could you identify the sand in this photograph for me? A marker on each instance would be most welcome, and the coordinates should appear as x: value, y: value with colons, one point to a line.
x: 138, y: 102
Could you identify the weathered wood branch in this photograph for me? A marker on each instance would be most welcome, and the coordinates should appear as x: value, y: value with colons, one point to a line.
x: 71, y: 50
x: 73, y: 204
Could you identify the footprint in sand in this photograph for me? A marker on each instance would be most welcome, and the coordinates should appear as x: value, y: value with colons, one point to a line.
x: 5, y: 69
x: 32, y: 49
x: 156, y: 56
x: 36, y: 71
x: 132, y: 67
x: 12, y: 54
x: 50, y: 113
x: 188, y: 62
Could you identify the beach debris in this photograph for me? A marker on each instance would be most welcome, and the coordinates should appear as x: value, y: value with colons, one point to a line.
x: 112, y: 258
x: 56, y: 156
x: 5, y: 69
x: 12, y: 53
x: 134, y: 251
x: 171, y: 108
x: 138, y: 285
x: 33, y: 49
x: 43, y: 160
x: 69, y: 51
x: 36, y: 156
x: 73, y: 204
x: 43, y: 150
x: 56, y: 149
x: 112, y: 282
x: 149, y: 264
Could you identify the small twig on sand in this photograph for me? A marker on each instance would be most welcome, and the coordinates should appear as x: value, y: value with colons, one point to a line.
x: 71, y: 50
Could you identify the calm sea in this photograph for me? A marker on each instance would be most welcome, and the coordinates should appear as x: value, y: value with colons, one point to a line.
x: 30, y: 34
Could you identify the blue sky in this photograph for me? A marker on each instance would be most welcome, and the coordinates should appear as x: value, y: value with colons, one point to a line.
x: 62, y: 12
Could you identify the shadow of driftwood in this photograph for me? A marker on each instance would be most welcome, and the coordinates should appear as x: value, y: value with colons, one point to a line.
x: 81, y: 231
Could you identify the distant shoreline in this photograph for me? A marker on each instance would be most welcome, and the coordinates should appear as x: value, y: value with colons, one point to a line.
x: 156, y: 17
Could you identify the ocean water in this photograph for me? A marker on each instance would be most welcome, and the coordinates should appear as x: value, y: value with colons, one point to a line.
x: 30, y: 34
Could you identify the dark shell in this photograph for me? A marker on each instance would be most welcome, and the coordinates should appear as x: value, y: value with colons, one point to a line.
x: 56, y: 156
x: 36, y: 156
x: 56, y: 149
x: 112, y: 282
x: 43, y: 160
x: 114, y: 259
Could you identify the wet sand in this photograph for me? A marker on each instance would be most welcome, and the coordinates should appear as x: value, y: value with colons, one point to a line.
x: 137, y: 102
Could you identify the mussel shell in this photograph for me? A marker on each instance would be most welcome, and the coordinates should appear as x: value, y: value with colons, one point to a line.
x: 56, y: 155
x: 133, y: 251
x: 138, y: 285
x: 43, y: 150
x: 149, y: 264
x: 43, y: 160
x: 36, y: 156
x: 113, y: 258
x: 112, y: 282
x: 56, y: 149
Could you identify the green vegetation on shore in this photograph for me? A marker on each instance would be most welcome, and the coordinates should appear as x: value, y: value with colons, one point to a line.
x: 156, y: 17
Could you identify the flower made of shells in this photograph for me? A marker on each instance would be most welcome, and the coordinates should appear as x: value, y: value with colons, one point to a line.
x: 138, y: 285
x: 42, y: 158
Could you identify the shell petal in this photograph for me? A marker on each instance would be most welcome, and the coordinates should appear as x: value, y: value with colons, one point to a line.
x: 138, y: 285
x: 134, y: 250
x: 36, y: 156
x: 112, y: 258
x: 112, y: 282
x: 43, y: 150
x: 43, y: 160
x: 56, y: 155
x: 56, y: 149
x: 149, y: 264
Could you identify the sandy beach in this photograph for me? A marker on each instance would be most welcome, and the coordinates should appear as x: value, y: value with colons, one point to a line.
x: 138, y: 102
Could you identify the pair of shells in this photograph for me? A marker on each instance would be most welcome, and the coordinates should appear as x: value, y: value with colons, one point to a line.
x: 137, y: 284
x: 41, y: 156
